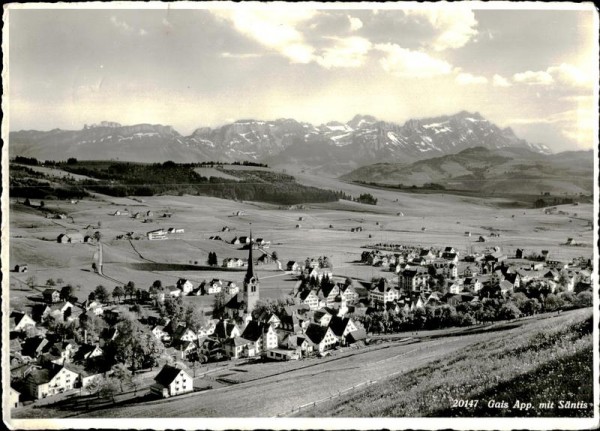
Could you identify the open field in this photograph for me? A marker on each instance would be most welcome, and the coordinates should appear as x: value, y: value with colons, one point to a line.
x: 318, y: 380
x: 324, y: 230
x: 510, y: 367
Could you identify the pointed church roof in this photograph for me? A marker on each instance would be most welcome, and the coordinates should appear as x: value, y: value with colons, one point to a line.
x: 250, y: 270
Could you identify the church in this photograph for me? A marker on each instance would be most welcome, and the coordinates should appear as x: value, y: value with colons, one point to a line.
x: 242, y: 303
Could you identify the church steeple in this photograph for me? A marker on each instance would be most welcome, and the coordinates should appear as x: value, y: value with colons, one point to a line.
x: 251, y: 284
x: 250, y: 270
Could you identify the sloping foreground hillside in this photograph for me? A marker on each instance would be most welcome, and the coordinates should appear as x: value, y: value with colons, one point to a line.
x: 551, y: 363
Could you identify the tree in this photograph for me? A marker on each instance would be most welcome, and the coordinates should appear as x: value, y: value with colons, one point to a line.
x: 118, y: 293
x: 509, y: 311
x: 130, y: 289
x: 531, y: 306
x: 66, y: 292
x: 219, y: 305
x: 122, y: 374
x: 101, y: 294
x: 97, y: 235
x: 194, y: 318
x: 157, y: 284
x: 553, y: 302
x: 584, y: 299
x: 108, y: 388
x: 50, y: 282
x: 274, y: 255
x: 31, y: 281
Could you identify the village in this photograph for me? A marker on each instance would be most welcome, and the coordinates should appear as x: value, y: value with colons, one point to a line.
x: 152, y: 340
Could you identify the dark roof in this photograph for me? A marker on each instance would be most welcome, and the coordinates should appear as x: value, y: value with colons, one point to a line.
x: 223, y: 329
x: 327, y: 289
x: 237, y: 341
x: 254, y: 330
x: 167, y: 375
x: 315, y: 333
x: 338, y: 325
x: 33, y: 346
x: 236, y: 302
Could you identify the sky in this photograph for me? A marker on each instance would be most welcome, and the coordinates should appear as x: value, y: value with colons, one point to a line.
x: 531, y: 69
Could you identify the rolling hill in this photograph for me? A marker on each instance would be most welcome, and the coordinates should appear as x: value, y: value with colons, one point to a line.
x: 504, y: 170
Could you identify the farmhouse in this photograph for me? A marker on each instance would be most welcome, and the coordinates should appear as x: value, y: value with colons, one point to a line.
x: 19, y: 321
x: 282, y: 354
x: 157, y: 234
x: 214, y: 286
x: 21, y: 268
x: 239, y: 347
x: 231, y: 288
x: 186, y: 286
x: 293, y: 266
x: 69, y: 238
x: 171, y: 381
x: 262, y: 335
x: 308, y: 297
x: 53, y: 380
x: 51, y: 295
x: 323, y: 338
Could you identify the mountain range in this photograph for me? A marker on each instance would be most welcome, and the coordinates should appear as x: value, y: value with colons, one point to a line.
x: 334, y: 147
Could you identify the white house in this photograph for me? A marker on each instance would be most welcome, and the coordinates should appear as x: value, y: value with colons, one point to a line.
x: 171, y: 381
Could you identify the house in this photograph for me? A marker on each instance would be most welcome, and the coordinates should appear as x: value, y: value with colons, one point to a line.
x: 506, y: 286
x: 19, y: 321
x: 282, y: 354
x: 51, y: 295
x: 349, y: 293
x: 293, y: 266
x: 236, y: 306
x: 182, y: 333
x: 14, y: 398
x: 308, y: 297
x: 322, y: 317
x: 160, y: 334
x: 289, y: 324
x: 455, y: 287
x: 87, y: 351
x: 297, y: 342
x: 239, y: 347
x: 171, y: 381
x: 383, y: 293
x: 263, y: 335
x: 214, y: 286
x: 70, y: 238
x: 186, y: 286
x: 157, y: 234
x: 55, y: 379
x: 322, y: 337
x: 341, y: 327
x: 519, y: 254
x: 329, y: 292
x: 473, y: 284
x: 21, y: 268
x: 185, y: 348
x: 470, y: 271
x: 411, y: 280
x: 231, y: 288
x: 356, y: 336
x: 232, y: 262
x: 270, y: 319
x: 225, y: 330
x: 61, y: 311
x: 34, y: 346
x: 173, y: 291
x: 39, y: 312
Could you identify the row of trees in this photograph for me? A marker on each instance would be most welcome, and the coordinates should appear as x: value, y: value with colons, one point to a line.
x: 470, y: 313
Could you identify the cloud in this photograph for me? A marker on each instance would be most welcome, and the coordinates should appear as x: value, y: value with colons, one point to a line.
x: 468, y: 79
x: 355, y: 23
x: 533, y: 78
x: 245, y: 55
x: 121, y: 25
x: 273, y: 28
x: 575, y: 124
x: 347, y: 52
x: 567, y: 74
x: 455, y: 26
x: 406, y: 63
x: 500, y: 81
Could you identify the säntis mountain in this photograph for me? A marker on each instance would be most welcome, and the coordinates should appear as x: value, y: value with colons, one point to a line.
x: 332, y: 147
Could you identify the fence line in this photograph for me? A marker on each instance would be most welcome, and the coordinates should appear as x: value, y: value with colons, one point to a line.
x: 329, y: 398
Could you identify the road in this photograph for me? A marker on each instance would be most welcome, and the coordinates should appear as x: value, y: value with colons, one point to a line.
x: 280, y: 394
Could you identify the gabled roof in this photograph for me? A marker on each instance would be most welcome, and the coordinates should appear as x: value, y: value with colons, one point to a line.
x: 338, y: 325
x: 49, y: 291
x: 315, y: 333
x: 236, y: 302
x: 327, y: 289
x: 354, y: 336
x: 166, y: 376
x: 223, y: 329
x: 237, y: 342
x: 254, y: 330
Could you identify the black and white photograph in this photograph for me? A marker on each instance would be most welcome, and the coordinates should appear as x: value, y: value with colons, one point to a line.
x: 314, y: 215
